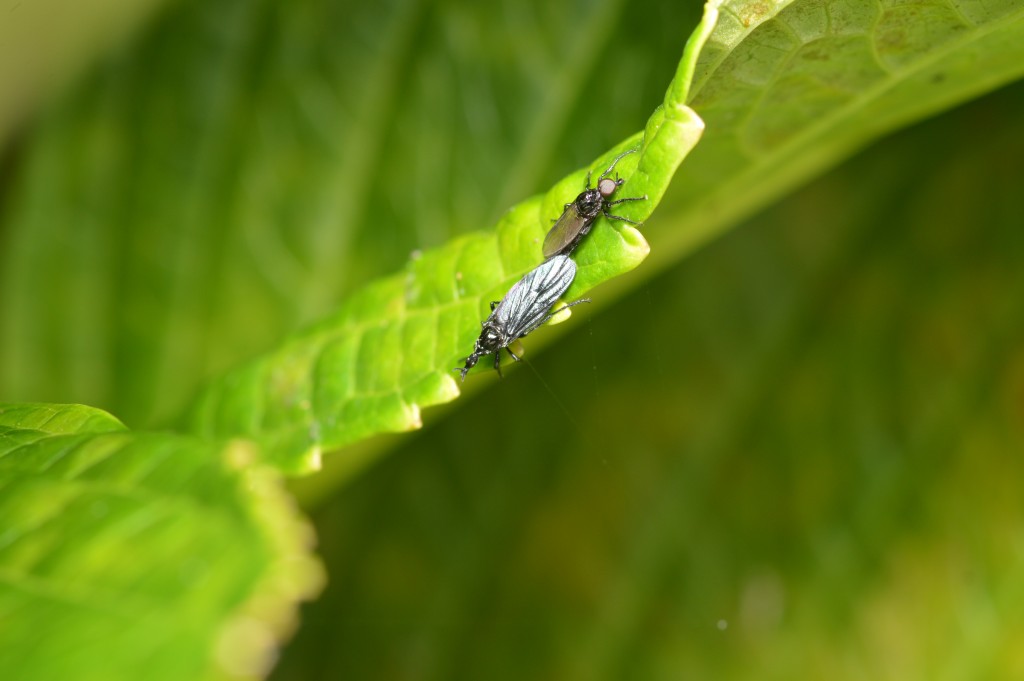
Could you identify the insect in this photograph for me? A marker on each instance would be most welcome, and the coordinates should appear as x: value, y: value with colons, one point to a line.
x: 579, y: 215
x: 525, y: 307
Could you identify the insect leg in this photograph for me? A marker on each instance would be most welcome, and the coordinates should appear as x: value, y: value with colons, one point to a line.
x: 608, y: 214
x: 614, y: 161
x: 619, y: 217
x: 564, y: 307
x: 494, y: 304
x: 628, y: 198
x: 514, y: 355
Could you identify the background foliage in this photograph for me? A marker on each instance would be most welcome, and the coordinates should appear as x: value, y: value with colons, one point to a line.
x: 795, y: 456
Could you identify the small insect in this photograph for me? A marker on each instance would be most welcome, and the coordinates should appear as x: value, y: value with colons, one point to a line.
x: 580, y: 215
x: 525, y: 307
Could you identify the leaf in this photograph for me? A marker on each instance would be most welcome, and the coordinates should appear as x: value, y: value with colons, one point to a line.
x: 240, y: 170
x: 61, y: 48
x: 788, y: 89
x: 390, y: 350
x: 290, y: 167
x: 768, y: 90
x: 797, y: 457
x: 140, y: 555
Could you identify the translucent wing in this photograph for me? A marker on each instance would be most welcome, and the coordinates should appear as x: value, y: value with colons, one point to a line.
x: 526, y: 305
x: 568, y: 230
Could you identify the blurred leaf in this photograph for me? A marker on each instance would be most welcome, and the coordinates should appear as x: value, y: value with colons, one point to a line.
x: 131, y: 555
x: 44, y: 43
x: 818, y: 79
x: 796, y: 457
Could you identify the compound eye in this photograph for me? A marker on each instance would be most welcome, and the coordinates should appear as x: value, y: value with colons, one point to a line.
x: 607, y: 187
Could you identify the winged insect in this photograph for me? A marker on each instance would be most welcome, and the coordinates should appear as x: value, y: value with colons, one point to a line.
x: 526, y: 306
x: 579, y: 215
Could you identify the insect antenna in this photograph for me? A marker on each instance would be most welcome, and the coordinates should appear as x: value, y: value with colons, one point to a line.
x: 612, y: 166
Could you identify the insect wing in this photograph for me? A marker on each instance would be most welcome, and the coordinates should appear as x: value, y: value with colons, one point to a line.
x: 526, y: 305
x: 571, y: 225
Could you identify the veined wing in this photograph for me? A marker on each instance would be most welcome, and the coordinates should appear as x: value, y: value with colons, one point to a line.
x: 568, y: 229
x: 527, y: 303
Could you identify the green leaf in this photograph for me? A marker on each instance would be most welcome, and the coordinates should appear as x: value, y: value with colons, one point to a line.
x: 140, y: 555
x: 797, y: 457
x: 40, y: 419
x: 790, y: 88
x: 60, y: 49
x: 771, y: 89
x: 241, y: 170
x: 390, y: 349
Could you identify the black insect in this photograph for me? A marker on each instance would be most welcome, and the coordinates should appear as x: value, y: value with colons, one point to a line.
x: 579, y: 215
x: 525, y: 307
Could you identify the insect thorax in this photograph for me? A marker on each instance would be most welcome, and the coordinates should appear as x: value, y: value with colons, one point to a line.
x: 588, y: 204
x: 492, y: 337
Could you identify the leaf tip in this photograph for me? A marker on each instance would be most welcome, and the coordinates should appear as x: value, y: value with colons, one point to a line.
x: 447, y: 389
x: 295, y: 461
x: 562, y: 315
x: 240, y: 454
x: 246, y: 648
x: 312, y: 460
x: 635, y: 246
